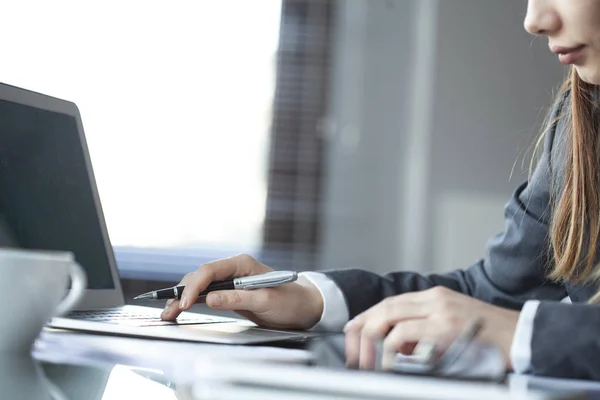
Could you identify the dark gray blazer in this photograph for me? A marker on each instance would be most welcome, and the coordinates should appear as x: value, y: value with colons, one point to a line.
x: 566, y: 337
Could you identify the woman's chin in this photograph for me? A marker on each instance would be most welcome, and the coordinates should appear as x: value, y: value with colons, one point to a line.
x: 588, y: 74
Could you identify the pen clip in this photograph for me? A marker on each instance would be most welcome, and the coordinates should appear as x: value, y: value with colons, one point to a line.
x: 270, y: 279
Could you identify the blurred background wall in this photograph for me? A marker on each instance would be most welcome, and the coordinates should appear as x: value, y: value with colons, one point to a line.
x: 432, y: 104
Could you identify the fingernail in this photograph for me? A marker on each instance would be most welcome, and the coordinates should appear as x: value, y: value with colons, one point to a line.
x: 183, y: 303
x: 165, y: 314
x: 215, y: 300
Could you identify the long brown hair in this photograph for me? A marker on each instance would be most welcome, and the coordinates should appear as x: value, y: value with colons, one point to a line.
x: 575, y: 226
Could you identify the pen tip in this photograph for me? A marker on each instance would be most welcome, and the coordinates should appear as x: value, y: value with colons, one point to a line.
x: 144, y: 296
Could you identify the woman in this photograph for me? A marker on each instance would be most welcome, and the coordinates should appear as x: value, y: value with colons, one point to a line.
x: 544, y: 255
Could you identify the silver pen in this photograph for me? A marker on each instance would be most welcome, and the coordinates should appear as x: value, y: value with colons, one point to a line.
x: 270, y: 279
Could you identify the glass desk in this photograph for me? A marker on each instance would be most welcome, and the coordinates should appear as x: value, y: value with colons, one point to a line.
x: 72, y: 366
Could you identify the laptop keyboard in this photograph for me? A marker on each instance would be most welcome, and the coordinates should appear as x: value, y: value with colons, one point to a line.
x: 141, y: 318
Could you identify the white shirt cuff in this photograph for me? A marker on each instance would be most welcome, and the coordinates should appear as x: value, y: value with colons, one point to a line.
x: 335, y: 311
x: 520, y: 351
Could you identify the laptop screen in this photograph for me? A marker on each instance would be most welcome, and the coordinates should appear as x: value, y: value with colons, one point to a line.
x: 46, y: 197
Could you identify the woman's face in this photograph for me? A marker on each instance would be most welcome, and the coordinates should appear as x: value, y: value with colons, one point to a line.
x: 573, y: 31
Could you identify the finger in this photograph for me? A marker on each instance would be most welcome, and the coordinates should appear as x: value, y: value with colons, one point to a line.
x: 400, y: 308
x: 241, y: 265
x: 352, y: 343
x: 372, y: 333
x: 385, y: 315
x: 238, y: 300
x: 171, y: 310
x: 360, y: 347
x: 172, y: 307
x: 405, y: 335
x: 352, y: 338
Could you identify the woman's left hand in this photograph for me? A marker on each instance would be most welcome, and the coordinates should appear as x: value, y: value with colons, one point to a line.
x: 437, y: 315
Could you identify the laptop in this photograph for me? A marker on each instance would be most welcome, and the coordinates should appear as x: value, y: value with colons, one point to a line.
x: 49, y: 200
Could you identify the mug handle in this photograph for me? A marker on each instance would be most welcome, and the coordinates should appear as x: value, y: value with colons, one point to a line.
x: 78, y: 285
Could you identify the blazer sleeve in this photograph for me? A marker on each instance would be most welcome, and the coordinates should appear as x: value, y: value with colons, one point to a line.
x: 565, y: 341
x: 514, y: 267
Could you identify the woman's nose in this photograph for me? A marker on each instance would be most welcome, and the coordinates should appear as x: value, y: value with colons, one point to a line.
x: 541, y: 18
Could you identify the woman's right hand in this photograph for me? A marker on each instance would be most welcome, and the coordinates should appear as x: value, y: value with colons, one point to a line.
x: 297, y: 305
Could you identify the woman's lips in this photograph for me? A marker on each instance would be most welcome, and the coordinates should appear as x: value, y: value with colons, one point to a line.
x: 567, y: 55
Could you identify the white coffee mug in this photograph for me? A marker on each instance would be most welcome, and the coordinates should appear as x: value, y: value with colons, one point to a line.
x: 21, y: 378
x: 32, y: 285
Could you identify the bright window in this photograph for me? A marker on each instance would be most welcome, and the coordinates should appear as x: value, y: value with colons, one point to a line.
x: 176, y: 100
